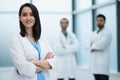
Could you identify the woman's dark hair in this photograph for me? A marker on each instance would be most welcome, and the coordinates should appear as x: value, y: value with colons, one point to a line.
x: 36, y: 27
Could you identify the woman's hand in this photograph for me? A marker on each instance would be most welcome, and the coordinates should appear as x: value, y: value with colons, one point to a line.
x: 49, y: 55
x: 34, y: 61
x: 37, y: 64
x: 43, y: 64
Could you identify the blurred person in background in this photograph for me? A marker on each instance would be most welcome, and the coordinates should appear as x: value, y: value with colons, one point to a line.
x: 99, y: 47
x: 65, y: 47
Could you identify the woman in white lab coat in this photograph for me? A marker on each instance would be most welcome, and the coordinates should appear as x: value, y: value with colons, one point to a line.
x: 65, y: 46
x: 32, y: 56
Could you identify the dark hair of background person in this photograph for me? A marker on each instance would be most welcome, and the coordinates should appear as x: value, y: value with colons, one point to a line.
x: 64, y: 19
x: 101, y: 15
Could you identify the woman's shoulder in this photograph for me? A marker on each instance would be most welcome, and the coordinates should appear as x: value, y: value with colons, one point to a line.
x: 16, y: 37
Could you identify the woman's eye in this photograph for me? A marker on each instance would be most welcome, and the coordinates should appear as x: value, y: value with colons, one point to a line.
x: 31, y: 14
x: 24, y: 14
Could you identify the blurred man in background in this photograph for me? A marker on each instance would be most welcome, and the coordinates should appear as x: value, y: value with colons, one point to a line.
x: 100, y: 41
x: 65, y: 47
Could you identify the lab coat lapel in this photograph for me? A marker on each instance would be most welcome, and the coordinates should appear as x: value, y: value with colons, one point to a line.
x: 66, y: 40
x: 98, y: 36
x: 63, y: 38
x: 27, y: 45
x: 69, y: 37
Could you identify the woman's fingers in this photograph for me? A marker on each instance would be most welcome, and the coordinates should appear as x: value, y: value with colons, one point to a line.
x: 49, y: 55
x: 52, y: 55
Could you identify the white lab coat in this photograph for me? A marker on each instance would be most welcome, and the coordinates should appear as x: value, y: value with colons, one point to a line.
x: 22, y: 51
x: 100, y: 59
x: 66, y: 56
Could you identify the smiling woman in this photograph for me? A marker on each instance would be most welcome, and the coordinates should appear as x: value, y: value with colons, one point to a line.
x: 27, y: 18
x: 31, y: 54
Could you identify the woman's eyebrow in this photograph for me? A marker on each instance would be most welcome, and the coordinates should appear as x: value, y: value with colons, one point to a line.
x: 23, y: 13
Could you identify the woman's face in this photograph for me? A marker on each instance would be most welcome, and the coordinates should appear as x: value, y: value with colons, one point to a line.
x: 27, y: 18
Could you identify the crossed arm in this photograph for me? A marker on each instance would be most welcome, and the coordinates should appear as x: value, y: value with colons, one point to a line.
x: 42, y: 65
x: 102, y: 43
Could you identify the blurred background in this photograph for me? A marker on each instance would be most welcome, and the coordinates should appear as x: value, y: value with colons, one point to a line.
x: 81, y: 15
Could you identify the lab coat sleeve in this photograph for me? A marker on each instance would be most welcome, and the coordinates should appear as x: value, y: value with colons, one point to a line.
x: 58, y: 47
x: 103, y: 42
x: 72, y: 48
x: 22, y: 65
x: 89, y: 42
x: 51, y: 61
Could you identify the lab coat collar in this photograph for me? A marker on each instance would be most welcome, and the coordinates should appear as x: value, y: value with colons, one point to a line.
x: 26, y: 43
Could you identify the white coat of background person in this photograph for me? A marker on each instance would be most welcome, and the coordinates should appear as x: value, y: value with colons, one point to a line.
x: 99, y: 46
x: 65, y: 46
x: 24, y: 54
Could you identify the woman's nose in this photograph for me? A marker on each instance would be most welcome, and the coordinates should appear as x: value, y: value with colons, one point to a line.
x: 28, y: 17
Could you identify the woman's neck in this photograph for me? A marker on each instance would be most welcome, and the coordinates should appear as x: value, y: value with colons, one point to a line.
x: 29, y: 31
x: 30, y: 34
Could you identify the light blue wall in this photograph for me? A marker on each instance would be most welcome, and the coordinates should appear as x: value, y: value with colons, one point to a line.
x: 83, y: 31
x: 8, y: 27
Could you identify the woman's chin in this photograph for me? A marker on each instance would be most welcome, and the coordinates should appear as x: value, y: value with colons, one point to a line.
x: 29, y: 26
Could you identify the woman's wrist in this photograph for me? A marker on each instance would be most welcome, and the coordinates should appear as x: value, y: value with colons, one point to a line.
x: 35, y: 62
